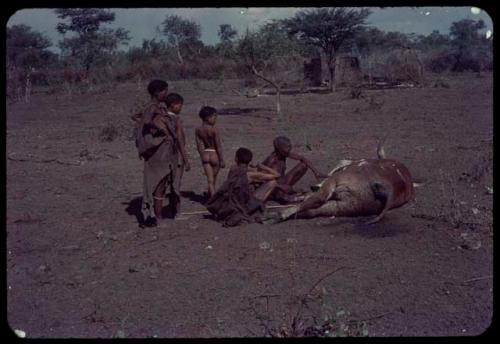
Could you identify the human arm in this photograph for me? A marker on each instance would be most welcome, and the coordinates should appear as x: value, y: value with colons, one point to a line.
x: 181, y: 139
x: 148, y: 129
x: 262, y: 173
x: 258, y: 176
x: 136, y: 117
x: 199, y: 142
x: 317, y: 174
x: 218, y: 148
x: 159, y: 124
x: 269, y: 160
x: 268, y: 170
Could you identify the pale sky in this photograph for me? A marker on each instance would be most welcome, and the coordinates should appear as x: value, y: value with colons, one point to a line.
x: 142, y: 22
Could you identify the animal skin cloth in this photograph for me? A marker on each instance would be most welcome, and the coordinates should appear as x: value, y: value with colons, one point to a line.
x: 233, y: 204
x: 160, y: 155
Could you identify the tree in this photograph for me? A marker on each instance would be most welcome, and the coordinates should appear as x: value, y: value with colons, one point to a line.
x: 396, y: 39
x: 92, y: 44
x: 366, y: 40
x: 264, y: 51
x: 327, y: 28
x: 466, y: 33
x: 434, y: 40
x: 472, y: 47
x: 184, y: 35
x: 27, y: 49
x: 27, y: 54
x: 226, y: 33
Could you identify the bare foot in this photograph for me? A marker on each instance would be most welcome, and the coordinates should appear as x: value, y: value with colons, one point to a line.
x: 161, y: 222
x: 271, y: 219
x: 286, y: 213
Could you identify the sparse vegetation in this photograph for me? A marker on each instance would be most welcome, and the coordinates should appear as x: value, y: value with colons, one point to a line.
x: 91, y: 57
x: 109, y: 133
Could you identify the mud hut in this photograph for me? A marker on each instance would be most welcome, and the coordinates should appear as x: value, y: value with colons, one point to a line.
x: 347, y: 71
x: 404, y: 65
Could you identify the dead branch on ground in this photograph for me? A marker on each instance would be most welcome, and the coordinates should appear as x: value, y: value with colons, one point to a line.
x: 44, y: 161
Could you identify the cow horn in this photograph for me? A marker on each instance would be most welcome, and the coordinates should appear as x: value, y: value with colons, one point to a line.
x: 380, y: 149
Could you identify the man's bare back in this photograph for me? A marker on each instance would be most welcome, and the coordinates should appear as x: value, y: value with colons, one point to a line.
x: 277, y: 161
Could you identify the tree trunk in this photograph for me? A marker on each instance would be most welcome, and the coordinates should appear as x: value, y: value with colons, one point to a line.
x: 331, y: 68
x: 27, y: 88
x: 278, y: 102
x: 278, y: 89
x: 179, y: 56
x: 332, y: 78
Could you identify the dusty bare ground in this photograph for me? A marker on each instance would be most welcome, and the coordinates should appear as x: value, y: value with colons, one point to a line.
x: 78, y: 265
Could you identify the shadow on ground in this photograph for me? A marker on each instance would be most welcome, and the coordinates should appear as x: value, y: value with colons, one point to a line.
x: 387, y: 227
x: 134, y: 208
x: 194, y: 197
x: 242, y: 111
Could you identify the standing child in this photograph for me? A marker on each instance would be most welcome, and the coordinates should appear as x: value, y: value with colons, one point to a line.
x: 174, y: 104
x: 159, y: 151
x: 209, y: 146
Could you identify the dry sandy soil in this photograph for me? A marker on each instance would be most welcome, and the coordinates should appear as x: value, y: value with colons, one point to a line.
x: 79, y: 265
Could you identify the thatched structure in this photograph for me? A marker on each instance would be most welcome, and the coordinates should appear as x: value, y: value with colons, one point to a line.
x: 404, y: 65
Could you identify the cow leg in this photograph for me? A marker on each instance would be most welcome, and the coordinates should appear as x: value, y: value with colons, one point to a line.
x: 328, y: 209
x: 340, y: 164
x: 313, y: 201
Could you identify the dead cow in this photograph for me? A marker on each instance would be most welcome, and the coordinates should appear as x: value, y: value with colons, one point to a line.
x: 357, y: 188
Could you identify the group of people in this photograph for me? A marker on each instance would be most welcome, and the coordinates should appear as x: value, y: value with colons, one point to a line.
x: 161, y: 143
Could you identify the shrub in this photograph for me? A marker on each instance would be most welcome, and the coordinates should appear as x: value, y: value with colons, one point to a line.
x: 108, y: 134
x: 438, y: 62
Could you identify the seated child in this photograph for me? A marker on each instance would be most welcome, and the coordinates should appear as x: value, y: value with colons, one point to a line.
x: 209, y: 146
x: 233, y: 203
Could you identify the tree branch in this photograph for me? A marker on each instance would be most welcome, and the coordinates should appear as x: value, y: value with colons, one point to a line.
x: 256, y: 73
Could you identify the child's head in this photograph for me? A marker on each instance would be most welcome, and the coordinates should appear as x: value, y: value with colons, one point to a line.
x: 208, y: 114
x: 243, y: 156
x: 158, y: 89
x: 282, y: 145
x: 174, y: 102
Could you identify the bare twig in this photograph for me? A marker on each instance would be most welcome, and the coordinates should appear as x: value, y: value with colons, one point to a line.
x: 325, y: 276
x: 238, y: 93
x: 196, y: 212
x: 148, y: 241
x: 113, y: 156
x: 206, y: 212
x: 265, y: 295
x: 306, y: 295
x: 252, y: 332
x: 280, y: 206
x: 476, y: 279
x: 44, y: 161
x: 371, y: 318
